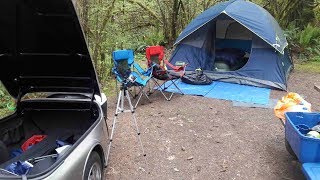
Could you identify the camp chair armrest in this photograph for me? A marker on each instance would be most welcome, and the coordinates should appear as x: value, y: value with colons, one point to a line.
x: 176, y: 68
x: 142, y: 71
x: 179, y: 69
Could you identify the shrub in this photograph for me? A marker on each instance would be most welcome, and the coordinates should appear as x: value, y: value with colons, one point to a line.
x: 305, y: 43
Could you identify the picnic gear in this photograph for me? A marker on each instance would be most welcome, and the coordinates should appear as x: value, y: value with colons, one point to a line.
x: 19, y: 168
x: 236, y: 41
x: 196, y: 78
x: 123, y: 70
x: 303, y: 129
x: 316, y: 128
x: 15, y: 152
x: 35, y: 139
x: 298, y: 125
x: 155, y: 58
x: 4, y: 154
x: 313, y: 134
x: 292, y: 102
x: 42, y: 164
x: 4, y: 172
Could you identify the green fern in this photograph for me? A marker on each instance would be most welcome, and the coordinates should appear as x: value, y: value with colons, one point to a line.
x: 309, y: 35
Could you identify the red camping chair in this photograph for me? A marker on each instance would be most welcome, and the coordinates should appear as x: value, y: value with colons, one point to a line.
x: 155, y: 57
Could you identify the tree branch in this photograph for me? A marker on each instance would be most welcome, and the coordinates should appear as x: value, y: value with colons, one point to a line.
x: 149, y: 11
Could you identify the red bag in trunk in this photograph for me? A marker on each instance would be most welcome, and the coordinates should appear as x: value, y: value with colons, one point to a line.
x: 32, y: 141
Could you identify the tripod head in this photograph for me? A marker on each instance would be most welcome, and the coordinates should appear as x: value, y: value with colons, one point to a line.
x: 128, y: 82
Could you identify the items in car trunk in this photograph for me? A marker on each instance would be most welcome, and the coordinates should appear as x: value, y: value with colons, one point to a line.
x: 19, y: 168
x: 35, y: 139
x: 4, y: 154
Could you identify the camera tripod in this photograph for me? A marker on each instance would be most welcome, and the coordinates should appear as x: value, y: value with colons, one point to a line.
x: 120, y: 109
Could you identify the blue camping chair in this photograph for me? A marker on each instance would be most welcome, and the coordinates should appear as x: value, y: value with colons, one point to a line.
x: 123, y: 69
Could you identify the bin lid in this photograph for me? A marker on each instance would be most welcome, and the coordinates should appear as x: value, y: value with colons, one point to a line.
x: 43, y: 48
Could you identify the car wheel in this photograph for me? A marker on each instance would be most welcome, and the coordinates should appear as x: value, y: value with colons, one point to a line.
x: 290, y: 151
x: 94, y: 170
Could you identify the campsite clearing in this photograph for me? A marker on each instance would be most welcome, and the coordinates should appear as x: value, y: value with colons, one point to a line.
x: 194, y: 137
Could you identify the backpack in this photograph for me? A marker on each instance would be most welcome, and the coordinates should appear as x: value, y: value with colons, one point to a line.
x: 196, y: 78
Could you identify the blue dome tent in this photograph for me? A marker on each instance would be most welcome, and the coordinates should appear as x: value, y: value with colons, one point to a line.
x: 236, y: 41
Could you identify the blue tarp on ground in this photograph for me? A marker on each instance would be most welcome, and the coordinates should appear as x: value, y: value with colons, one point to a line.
x: 226, y: 91
x: 241, y: 93
x: 188, y: 88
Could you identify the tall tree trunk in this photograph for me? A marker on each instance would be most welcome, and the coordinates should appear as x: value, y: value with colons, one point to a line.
x: 165, y: 28
x: 174, y: 19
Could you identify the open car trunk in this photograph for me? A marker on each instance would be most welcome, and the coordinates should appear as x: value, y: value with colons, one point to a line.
x: 43, y: 49
x: 64, y: 124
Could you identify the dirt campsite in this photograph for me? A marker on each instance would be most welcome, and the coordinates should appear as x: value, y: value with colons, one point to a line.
x: 194, y: 137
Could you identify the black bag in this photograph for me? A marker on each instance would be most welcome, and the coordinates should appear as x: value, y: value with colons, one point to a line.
x: 12, y: 131
x: 197, y: 78
x: 4, y: 153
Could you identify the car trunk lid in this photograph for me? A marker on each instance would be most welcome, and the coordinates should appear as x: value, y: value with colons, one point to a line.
x: 43, y: 48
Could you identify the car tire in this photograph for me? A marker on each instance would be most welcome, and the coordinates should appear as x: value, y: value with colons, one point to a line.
x: 94, y: 169
x: 290, y: 151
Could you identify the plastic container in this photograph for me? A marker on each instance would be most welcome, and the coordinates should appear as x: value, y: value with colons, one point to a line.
x: 298, y: 108
x: 311, y: 170
x: 307, y: 149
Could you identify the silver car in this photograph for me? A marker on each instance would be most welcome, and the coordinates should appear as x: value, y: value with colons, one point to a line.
x: 61, y: 134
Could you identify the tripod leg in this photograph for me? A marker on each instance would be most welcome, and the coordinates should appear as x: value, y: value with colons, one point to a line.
x: 120, y: 98
x: 136, y: 125
x: 122, y: 101
x: 106, y: 120
x: 116, y: 87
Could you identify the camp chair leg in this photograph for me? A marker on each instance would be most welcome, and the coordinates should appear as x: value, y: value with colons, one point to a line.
x: 146, y: 95
x: 162, y: 89
x: 156, y: 84
x: 174, y: 83
x: 168, y: 99
x: 141, y: 93
x: 131, y: 94
x: 149, y: 87
x: 162, y: 92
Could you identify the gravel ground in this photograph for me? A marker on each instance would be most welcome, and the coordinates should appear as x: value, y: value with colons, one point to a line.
x: 200, y: 138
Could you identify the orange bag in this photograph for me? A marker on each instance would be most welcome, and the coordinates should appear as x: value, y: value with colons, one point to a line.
x: 292, y: 102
